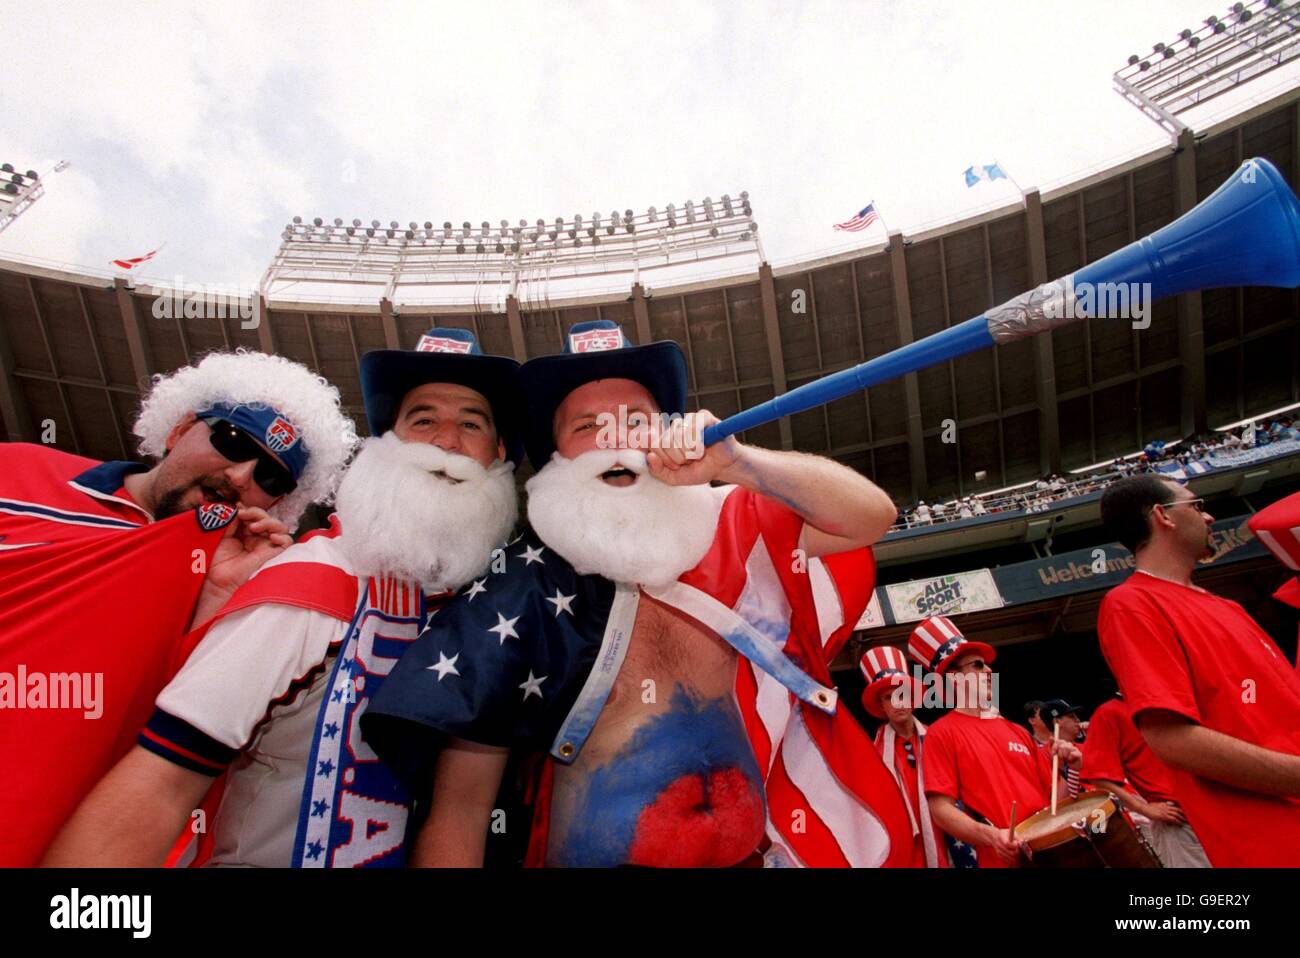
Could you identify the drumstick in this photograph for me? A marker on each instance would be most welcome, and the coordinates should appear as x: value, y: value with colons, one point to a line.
x: 1056, y: 761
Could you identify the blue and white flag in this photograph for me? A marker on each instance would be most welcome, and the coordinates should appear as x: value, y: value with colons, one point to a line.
x: 987, y: 173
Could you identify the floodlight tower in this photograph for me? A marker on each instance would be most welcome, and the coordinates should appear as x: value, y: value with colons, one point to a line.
x: 461, y: 261
x: 1249, y: 40
x: 18, y: 191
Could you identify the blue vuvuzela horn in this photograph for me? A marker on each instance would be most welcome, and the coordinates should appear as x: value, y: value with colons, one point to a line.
x: 1245, y: 233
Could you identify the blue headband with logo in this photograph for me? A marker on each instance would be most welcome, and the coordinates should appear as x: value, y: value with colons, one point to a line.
x: 269, y: 427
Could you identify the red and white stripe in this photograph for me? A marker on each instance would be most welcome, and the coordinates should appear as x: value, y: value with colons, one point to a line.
x: 882, y: 658
x: 831, y: 801
x: 928, y: 636
x: 1278, y: 528
x: 861, y: 220
x: 135, y: 261
x: 1284, y: 544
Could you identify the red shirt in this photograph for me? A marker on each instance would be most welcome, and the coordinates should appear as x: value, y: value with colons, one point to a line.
x: 94, y: 602
x: 907, y: 773
x: 1117, y: 752
x: 1186, y: 651
x: 986, y: 764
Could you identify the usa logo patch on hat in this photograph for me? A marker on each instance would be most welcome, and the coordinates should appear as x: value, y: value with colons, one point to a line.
x: 596, y: 340
x: 443, y: 344
x: 281, y: 435
x: 215, y: 515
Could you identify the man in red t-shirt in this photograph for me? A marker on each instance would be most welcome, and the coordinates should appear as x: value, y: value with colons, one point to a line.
x: 900, y: 740
x: 105, y: 566
x: 973, y: 755
x: 1118, y: 755
x: 1209, y: 690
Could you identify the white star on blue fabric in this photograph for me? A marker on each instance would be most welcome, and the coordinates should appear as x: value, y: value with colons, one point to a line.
x: 531, y: 555
x: 444, y: 666
x: 562, y: 602
x: 475, y: 589
x: 505, y: 629
x: 533, y: 686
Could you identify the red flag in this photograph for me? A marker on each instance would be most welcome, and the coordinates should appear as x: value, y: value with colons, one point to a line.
x: 135, y: 261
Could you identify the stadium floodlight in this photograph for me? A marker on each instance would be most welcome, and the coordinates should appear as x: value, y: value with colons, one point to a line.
x: 514, y: 257
x: 19, y: 191
x: 1252, y: 39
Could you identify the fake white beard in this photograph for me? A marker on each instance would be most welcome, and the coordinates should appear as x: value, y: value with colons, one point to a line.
x: 400, y: 520
x: 648, y: 533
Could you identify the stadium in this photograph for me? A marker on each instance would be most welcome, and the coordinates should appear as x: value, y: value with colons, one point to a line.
x: 996, y: 459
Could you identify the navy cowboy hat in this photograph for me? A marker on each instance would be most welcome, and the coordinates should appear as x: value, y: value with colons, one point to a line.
x: 443, y: 355
x: 596, y: 349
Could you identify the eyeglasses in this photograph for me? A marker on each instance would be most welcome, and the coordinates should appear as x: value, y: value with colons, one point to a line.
x: 1198, y: 503
x: 238, y: 446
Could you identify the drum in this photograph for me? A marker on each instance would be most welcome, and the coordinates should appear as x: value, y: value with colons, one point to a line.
x: 1089, y: 832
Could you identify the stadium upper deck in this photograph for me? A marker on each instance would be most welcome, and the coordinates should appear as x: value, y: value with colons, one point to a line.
x: 74, y: 349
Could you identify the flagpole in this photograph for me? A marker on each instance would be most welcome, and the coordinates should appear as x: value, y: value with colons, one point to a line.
x: 880, y: 216
x: 1018, y: 187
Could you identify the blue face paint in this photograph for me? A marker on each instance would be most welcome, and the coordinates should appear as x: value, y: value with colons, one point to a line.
x: 683, y: 790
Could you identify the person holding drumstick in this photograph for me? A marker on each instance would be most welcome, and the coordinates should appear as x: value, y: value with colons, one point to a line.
x: 1209, y: 690
x: 1062, y: 719
x: 975, y: 756
x: 1117, y: 756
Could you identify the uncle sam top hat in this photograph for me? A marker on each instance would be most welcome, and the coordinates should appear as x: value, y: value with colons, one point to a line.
x: 885, y: 668
x: 443, y: 355
x: 596, y: 349
x: 935, y: 643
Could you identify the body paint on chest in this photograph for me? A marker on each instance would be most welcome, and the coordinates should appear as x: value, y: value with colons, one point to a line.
x: 683, y: 790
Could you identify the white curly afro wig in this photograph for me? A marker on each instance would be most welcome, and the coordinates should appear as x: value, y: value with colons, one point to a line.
x: 308, y: 400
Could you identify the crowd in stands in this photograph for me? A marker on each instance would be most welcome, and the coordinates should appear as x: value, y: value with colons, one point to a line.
x: 1158, y: 456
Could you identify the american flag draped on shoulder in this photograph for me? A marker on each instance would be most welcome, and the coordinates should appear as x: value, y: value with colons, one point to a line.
x: 510, y: 662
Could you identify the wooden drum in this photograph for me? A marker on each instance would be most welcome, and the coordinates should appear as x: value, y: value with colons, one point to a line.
x: 1089, y: 832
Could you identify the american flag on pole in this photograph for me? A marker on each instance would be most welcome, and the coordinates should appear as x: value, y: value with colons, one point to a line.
x: 864, y: 218
x: 135, y: 261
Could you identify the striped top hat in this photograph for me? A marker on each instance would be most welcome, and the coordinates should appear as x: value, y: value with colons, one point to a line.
x: 1278, y: 528
x: 885, y: 668
x: 936, y: 642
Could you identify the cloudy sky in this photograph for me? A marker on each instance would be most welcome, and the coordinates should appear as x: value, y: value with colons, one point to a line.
x: 207, y: 127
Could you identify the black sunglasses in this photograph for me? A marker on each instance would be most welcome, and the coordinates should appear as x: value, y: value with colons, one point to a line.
x: 238, y: 446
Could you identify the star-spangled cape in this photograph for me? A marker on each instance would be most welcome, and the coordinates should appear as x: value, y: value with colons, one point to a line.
x: 516, y: 661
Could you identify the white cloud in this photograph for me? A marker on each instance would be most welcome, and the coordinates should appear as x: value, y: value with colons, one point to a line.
x: 209, y: 126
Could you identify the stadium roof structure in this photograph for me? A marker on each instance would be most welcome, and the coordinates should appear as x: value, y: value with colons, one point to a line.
x: 1248, y: 41
x: 560, y: 257
x: 19, y: 191
x: 77, y: 349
